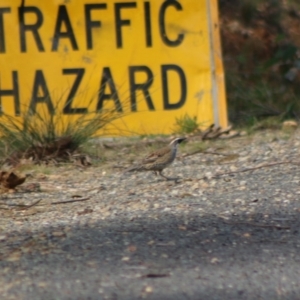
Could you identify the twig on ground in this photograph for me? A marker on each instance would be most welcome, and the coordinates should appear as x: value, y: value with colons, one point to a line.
x: 70, y: 201
x: 100, y: 188
x: 22, y: 206
x: 33, y: 204
x: 251, y: 169
x: 190, y: 154
x: 218, y: 153
x: 204, y: 152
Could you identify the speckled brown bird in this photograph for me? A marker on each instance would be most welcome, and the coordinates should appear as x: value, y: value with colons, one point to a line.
x: 158, y: 160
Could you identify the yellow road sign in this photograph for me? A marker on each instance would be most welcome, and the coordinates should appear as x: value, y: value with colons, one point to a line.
x: 154, y: 61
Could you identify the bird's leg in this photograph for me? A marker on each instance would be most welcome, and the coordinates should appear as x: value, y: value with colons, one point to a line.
x: 167, y: 178
x: 162, y: 175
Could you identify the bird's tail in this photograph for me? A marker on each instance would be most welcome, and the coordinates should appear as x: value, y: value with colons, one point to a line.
x: 134, y: 168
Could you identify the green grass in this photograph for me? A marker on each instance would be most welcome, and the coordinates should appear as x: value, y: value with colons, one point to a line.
x: 186, y: 124
x: 45, y: 135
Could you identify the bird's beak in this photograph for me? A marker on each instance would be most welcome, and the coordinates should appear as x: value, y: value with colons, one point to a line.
x: 181, y: 140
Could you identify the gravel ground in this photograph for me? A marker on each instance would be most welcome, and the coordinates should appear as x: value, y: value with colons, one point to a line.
x: 231, y: 236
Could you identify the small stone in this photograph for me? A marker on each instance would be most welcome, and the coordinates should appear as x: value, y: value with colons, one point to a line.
x: 148, y: 289
x: 14, y: 256
x: 42, y: 284
x: 214, y: 260
x: 125, y: 258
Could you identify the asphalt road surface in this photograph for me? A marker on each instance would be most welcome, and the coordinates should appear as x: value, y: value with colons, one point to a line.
x: 233, y: 236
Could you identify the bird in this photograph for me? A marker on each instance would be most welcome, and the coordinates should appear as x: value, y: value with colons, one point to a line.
x: 158, y: 160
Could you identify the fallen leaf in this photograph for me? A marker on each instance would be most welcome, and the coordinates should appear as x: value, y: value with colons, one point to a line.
x: 181, y: 227
x: 132, y: 248
x: 58, y: 233
x: 82, y: 160
x: 85, y: 211
x: 11, y: 179
x: 183, y: 195
x: 289, y: 124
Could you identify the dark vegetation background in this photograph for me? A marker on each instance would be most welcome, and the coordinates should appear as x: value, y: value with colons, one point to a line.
x: 261, y: 52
